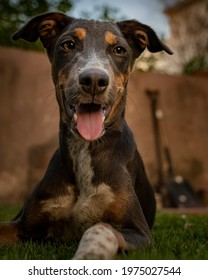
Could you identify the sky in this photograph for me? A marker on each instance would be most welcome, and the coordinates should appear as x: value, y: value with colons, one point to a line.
x: 149, y: 12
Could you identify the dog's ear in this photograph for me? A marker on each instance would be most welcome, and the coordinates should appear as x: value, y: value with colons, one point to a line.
x: 139, y: 36
x: 46, y: 26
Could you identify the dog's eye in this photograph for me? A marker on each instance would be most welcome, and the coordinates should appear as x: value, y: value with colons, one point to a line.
x: 68, y: 45
x: 118, y: 50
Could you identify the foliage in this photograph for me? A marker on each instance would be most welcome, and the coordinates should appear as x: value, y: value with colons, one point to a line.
x: 198, y: 63
x: 147, y: 62
x: 170, y: 235
x: 15, y: 13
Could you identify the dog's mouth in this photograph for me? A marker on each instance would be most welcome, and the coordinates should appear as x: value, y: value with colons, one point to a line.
x: 88, y: 119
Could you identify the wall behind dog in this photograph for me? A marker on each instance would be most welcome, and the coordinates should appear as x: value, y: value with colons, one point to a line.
x: 29, y: 122
x: 183, y: 108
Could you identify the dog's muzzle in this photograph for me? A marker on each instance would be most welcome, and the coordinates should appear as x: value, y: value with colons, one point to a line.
x: 88, y: 118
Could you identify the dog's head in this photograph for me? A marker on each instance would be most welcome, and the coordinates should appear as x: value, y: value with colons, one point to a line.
x: 91, y: 62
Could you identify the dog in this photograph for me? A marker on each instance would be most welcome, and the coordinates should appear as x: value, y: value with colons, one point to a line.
x: 95, y: 188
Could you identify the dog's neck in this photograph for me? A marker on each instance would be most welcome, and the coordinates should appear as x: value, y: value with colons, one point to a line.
x: 81, y: 160
x: 78, y: 154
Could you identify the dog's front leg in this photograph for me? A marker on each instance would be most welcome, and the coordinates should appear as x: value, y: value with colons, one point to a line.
x: 9, y: 233
x: 100, y: 241
x: 103, y: 241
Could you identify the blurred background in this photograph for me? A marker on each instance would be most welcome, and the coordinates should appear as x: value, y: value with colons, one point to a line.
x: 167, y: 105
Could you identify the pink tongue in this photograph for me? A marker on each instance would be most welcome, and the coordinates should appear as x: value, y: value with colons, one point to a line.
x: 90, y: 124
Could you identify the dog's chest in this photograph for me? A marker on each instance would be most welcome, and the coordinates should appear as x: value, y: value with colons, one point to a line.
x: 84, y: 204
x: 90, y: 208
x: 92, y: 201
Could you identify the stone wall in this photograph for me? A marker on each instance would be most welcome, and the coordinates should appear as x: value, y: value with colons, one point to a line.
x: 29, y: 122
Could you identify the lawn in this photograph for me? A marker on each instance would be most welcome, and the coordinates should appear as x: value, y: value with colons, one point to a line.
x: 175, y: 236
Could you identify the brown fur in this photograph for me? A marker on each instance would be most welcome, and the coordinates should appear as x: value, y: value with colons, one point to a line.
x: 80, y: 33
x: 110, y: 38
x: 95, y: 184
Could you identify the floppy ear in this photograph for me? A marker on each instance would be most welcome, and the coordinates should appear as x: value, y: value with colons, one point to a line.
x: 139, y: 36
x: 46, y: 26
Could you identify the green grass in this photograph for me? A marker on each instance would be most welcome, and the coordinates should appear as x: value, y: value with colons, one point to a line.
x: 8, y: 212
x: 175, y: 237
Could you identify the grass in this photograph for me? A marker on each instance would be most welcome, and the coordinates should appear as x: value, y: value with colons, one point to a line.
x: 175, y: 236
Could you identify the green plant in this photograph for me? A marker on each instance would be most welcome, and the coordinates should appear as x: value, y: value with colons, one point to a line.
x: 195, y: 64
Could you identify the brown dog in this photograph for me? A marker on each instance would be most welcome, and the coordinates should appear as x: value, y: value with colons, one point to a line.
x: 95, y: 187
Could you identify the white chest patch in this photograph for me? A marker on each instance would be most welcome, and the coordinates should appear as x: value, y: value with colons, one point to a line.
x: 79, y: 152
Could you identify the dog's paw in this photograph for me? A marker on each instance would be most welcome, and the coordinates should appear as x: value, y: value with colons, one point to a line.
x: 98, y: 242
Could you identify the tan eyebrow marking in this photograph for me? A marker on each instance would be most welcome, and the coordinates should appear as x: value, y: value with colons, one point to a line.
x: 80, y: 33
x: 110, y: 38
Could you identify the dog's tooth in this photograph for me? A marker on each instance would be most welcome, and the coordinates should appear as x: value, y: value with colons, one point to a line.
x: 104, y: 112
x: 75, y: 117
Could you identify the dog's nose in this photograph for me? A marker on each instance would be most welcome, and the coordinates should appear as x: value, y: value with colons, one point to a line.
x: 94, y: 81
